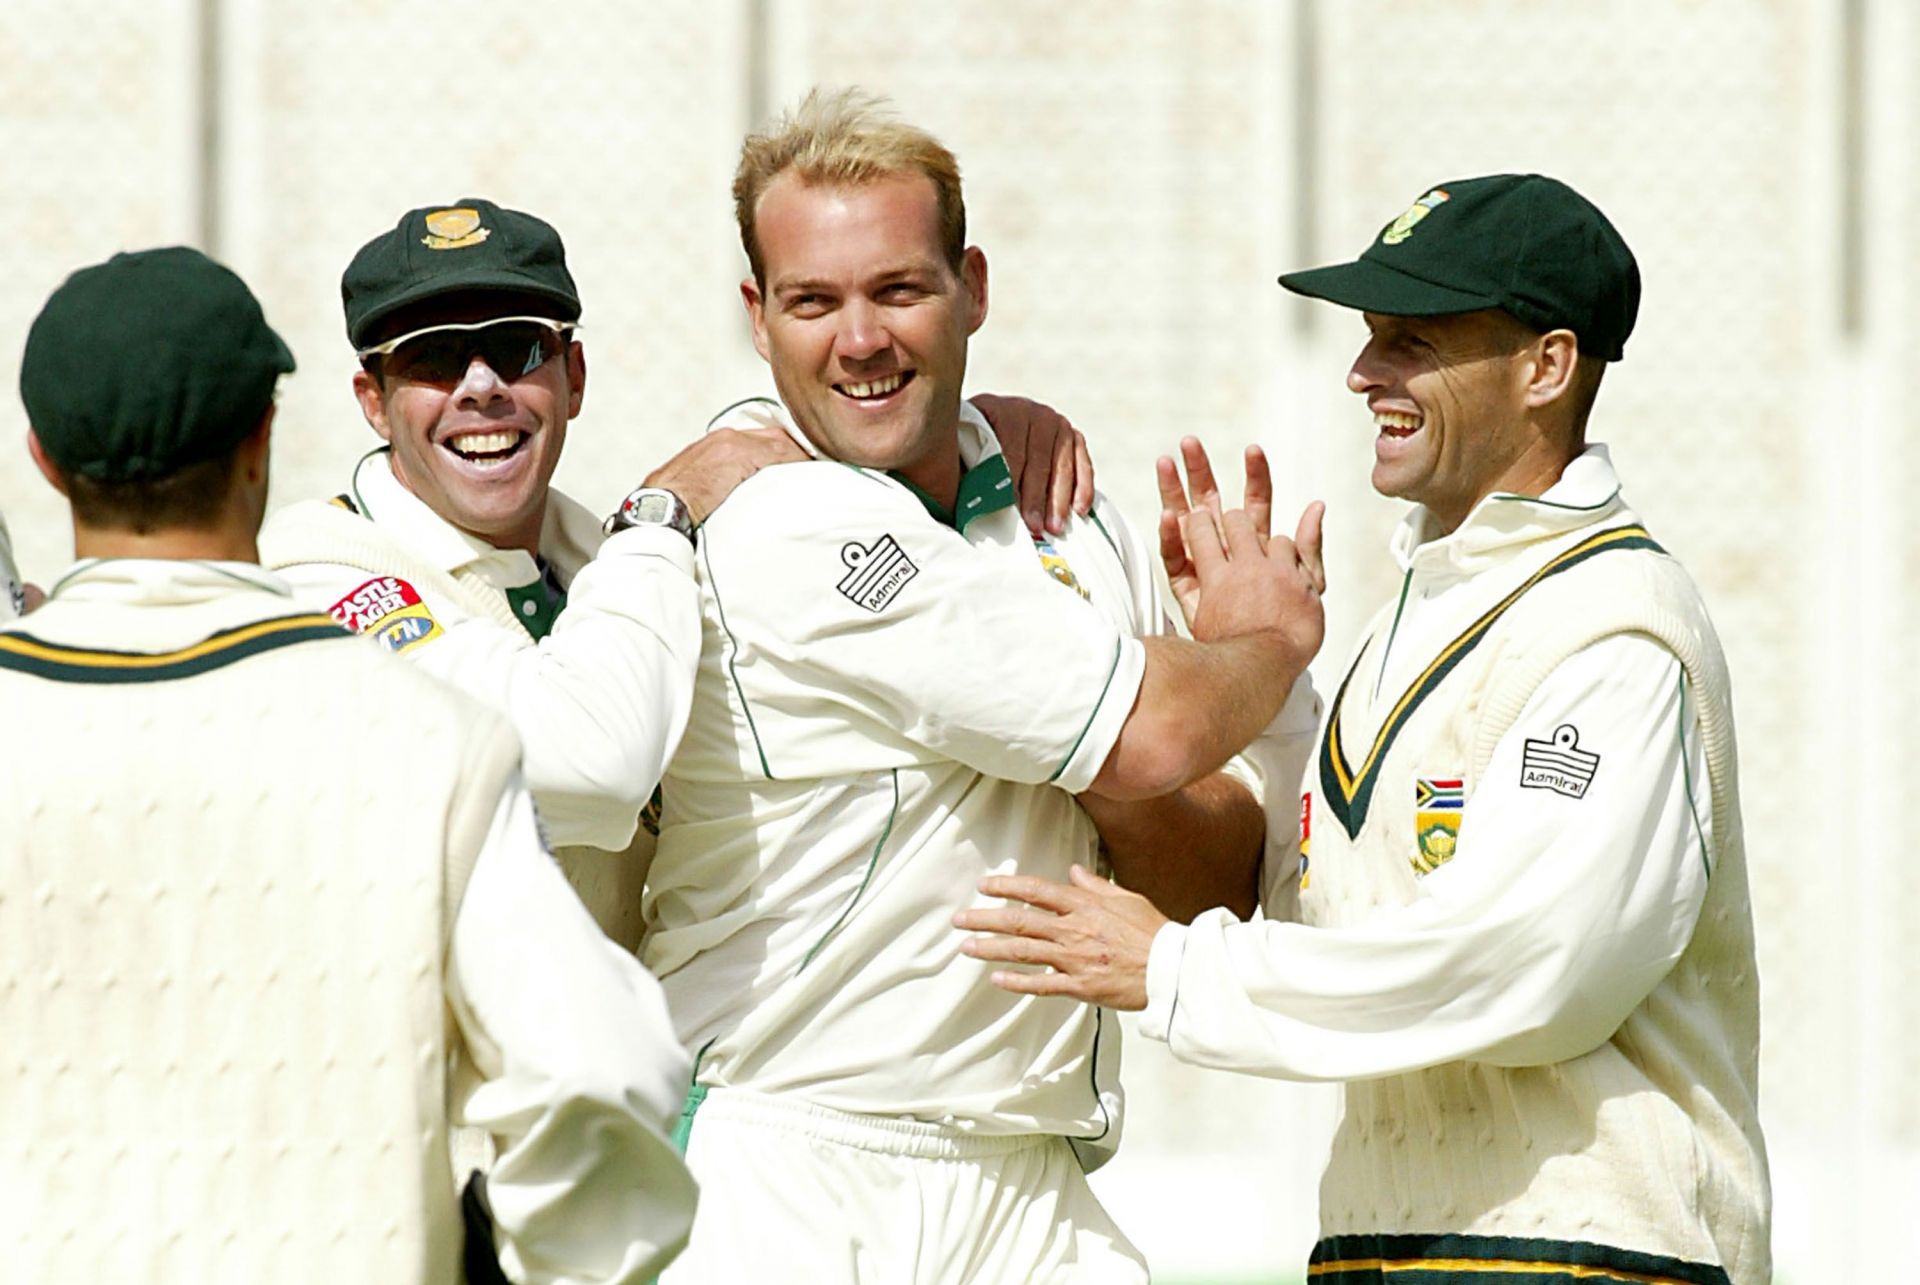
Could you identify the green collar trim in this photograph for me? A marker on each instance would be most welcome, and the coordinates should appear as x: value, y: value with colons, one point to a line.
x: 68, y: 664
x: 536, y: 606
x: 985, y: 488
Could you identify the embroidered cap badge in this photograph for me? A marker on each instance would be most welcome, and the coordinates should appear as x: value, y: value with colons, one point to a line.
x: 454, y: 229
x: 1402, y: 228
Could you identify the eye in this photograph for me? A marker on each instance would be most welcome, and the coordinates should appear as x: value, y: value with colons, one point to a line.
x: 901, y: 292
x: 808, y: 305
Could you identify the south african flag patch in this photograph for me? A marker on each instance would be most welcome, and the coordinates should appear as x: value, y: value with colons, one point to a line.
x: 1437, y: 804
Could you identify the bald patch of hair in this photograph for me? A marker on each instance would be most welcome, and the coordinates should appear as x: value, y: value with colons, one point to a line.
x: 846, y: 138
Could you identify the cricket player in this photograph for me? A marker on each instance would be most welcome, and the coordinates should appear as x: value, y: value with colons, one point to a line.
x: 1525, y: 941
x: 452, y: 548
x: 901, y: 689
x: 274, y: 909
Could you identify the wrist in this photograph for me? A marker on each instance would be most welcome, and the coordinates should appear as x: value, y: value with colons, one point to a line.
x: 653, y: 506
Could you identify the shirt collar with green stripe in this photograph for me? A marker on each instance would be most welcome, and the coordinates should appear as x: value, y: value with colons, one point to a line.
x: 1587, y: 490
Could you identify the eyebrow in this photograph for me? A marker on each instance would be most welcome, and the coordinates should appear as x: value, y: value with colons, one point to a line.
x: 884, y: 277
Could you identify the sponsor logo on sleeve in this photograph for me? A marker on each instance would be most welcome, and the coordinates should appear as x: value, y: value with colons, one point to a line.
x: 1437, y: 805
x: 876, y: 573
x: 1306, y: 834
x: 1056, y: 566
x: 1558, y: 764
x: 389, y: 610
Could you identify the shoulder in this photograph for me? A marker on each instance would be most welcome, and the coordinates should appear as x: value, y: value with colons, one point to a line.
x: 811, y: 497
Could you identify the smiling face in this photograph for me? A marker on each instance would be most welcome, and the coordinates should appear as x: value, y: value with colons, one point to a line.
x: 865, y: 322
x: 480, y: 452
x: 1450, y: 402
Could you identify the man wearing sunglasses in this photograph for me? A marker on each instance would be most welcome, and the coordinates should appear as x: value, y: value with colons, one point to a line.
x: 452, y: 548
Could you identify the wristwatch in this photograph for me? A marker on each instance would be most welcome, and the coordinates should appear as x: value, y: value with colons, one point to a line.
x: 652, y: 506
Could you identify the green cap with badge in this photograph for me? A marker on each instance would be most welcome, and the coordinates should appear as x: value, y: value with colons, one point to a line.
x: 446, y: 249
x: 1523, y: 243
x: 149, y: 362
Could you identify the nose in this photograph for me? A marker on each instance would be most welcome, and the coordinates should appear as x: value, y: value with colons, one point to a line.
x: 1367, y: 372
x: 862, y: 333
x: 481, y: 386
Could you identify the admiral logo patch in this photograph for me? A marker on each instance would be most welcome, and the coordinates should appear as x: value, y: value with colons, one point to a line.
x: 1558, y: 764
x: 875, y: 574
x: 1437, y: 805
x: 389, y: 610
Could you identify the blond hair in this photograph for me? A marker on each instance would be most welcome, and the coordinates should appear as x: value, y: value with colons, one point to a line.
x: 845, y: 138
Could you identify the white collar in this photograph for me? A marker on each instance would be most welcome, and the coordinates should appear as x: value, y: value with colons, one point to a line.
x: 162, y: 581
x: 1587, y: 490
x: 569, y: 535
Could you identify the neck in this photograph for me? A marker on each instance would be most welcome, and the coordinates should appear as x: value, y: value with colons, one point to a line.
x: 938, y: 477
x: 175, y: 543
x: 1531, y: 473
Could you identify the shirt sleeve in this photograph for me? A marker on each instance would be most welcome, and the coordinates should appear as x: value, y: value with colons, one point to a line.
x: 839, y: 593
x: 601, y: 702
x: 1555, y: 918
x: 1272, y: 768
x: 580, y: 1073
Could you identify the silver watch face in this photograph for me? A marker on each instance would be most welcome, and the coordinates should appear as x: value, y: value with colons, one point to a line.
x: 654, y: 508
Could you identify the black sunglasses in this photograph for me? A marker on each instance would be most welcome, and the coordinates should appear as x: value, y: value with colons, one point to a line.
x: 514, y: 347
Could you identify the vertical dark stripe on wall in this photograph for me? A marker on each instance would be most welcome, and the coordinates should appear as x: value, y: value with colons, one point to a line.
x: 1853, y: 125
x: 208, y: 107
x: 1306, y: 154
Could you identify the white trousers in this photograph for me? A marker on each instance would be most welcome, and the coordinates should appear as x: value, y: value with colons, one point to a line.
x: 791, y: 1192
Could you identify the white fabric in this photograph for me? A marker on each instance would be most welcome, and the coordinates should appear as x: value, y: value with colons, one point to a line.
x: 1547, y: 1019
x: 600, y: 703
x: 788, y: 1183
x: 258, y: 971
x: 849, y: 775
x: 583, y: 1079
x: 1506, y: 956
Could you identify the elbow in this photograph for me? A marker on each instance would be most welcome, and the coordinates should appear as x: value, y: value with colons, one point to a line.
x: 1152, y: 757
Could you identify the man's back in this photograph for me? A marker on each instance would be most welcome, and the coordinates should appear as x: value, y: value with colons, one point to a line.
x: 224, y: 909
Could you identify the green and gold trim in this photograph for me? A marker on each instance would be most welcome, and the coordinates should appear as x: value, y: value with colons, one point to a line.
x: 27, y: 654
x: 1349, y: 792
x: 1495, y: 1260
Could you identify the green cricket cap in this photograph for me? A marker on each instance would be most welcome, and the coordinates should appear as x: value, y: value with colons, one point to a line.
x: 474, y: 245
x: 149, y: 362
x: 1523, y: 243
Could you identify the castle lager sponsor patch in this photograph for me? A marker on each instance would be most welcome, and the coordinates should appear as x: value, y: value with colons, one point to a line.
x: 876, y: 573
x: 1558, y: 763
x: 389, y: 610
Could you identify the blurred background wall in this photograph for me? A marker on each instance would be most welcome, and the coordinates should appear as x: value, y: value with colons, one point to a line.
x: 1137, y: 174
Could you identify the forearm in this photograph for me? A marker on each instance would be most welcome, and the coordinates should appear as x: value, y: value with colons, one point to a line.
x: 1188, y: 851
x: 1199, y: 704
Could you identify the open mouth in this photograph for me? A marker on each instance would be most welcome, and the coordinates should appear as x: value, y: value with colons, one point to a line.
x: 1395, y: 424
x: 874, y: 391
x: 485, y: 448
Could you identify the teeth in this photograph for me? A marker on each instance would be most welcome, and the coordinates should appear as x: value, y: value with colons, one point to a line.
x: 1396, y: 420
x: 878, y: 388
x: 485, y: 443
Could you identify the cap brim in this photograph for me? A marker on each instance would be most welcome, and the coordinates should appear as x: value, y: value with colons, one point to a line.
x: 1373, y: 287
x: 488, y: 278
